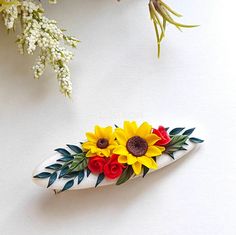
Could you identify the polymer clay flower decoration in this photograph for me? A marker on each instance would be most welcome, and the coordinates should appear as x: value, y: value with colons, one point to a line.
x: 114, y: 156
x: 137, y: 146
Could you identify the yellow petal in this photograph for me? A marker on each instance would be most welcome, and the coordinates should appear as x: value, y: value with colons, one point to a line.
x: 121, y: 150
x: 130, y: 128
x: 131, y: 159
x: 144, y: 130
x: 89, y: 154
x: 107, y: 132
x: 137, y: 166
x: 162, y: 149
x: 122, y: 159
x: 148, y: 162
x: 99, y: 132
x: 91, y: 137
x: 105, y: 152
x: 153, y: 151
x: 112, y: 139
x: 152, y: 139
x: 112, y: 146
x: 121, y: 137
x: 88, y: 145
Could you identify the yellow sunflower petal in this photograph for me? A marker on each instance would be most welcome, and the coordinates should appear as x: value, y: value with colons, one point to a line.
x: 144, y: 130
x: 152, y: 139
x: 107, y: 132
x: 112, y: 139
x: 130, y: 128
x: 121, y: 137
x: 153, y: 151
x: 88, y: 145
x: 121, y: 150
x: 95, y: 150
x: 122, y: 159
x: 137, y: 166
x: 105, y: 152
x: 131, y: 159
x: 89, y: 154
x: 99, y: 132
x: 148, y: 162
x: 91, y: 137
x: 161, y: 148
x: 112, y: 146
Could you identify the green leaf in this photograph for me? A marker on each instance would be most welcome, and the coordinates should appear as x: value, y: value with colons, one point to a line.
x: 64, y: 171
x: 80, y: 176
x: 68, y: 185
x: 74, y: 165
x: 182, y: 148
x: 145, y: 171
x: 82, y: 165
x: 100, y: 179
x: 189, y: 131
x: 71, y: 175
x: 63, y: 152
x: 55, y: 166
x: 65, y: 159
x: 127, y: 173
x: 176, y: 131
x: 196, y: 140
x: 52, y: 179
x: 172, y: 155
x: 177, y: 140
x: 75, y: 148
x: 42, y: 175
x: 88, y: 172
x: 176, y: 143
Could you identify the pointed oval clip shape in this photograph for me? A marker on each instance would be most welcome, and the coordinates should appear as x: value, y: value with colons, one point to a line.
x: 114, y: 156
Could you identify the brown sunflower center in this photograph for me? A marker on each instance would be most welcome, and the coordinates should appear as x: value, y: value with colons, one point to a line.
x: 102, y: 143
x: 137, y: 146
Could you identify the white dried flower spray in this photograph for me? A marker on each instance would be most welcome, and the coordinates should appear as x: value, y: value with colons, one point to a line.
x: 43, y: 34
x: 10, y: 13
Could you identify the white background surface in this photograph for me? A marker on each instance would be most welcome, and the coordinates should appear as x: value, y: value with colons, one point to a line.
x: 116, y: 76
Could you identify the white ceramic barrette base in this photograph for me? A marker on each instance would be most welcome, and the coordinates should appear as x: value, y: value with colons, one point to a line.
x: 89, y: 182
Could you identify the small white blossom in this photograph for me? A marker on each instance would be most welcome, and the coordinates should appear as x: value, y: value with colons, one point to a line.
x: 10, y: 14
x: 39, y: 32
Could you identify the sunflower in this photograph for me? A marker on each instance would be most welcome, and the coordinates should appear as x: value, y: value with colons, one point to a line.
x: 101, y: 142
x: 136, y: 146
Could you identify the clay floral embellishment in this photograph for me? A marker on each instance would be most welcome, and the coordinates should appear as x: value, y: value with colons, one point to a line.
x: 100, y: 143
x: 113, y: 169
x: 137, y: 146
x: 96, y: 164
x: 114, y: 157
x: 164, y: 137
x: 107, y: 167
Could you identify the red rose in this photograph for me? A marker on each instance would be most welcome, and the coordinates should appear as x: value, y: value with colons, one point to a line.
x: 162, y: 133
x: 96, y: 164
x: 113, y: 168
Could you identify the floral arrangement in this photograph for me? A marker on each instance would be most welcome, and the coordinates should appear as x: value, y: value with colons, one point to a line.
x: 37, y: 32
x: 117, y: 154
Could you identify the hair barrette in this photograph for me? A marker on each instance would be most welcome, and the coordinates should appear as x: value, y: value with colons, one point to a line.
x: 114, y: 156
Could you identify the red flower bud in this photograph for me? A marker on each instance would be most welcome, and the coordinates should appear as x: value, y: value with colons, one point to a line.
x: 162, y: 133
x: 113, y: 168
x: 96, y: 164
